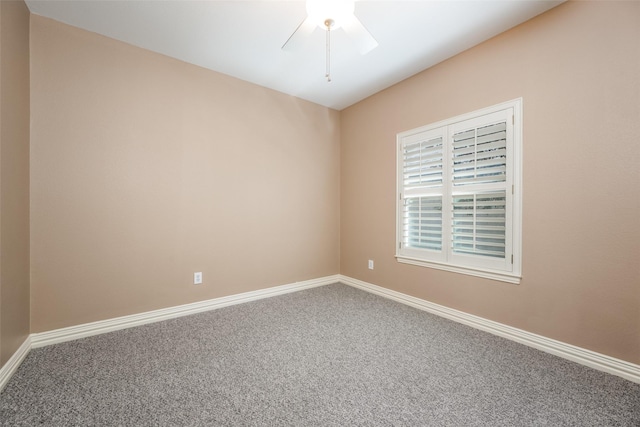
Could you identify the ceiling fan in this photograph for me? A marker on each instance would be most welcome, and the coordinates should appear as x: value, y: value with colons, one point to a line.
x: 331, y: 15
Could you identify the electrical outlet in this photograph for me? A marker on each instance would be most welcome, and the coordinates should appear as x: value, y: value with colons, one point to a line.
x: 370, y: 264
x: 197, y: 278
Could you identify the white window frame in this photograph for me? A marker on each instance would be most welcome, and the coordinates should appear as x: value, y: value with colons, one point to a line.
x: 508, y: 269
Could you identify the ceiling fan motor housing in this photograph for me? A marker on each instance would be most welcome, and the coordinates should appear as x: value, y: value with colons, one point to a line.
x: 332, y: 13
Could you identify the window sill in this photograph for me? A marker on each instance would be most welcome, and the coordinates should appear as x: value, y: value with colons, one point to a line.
x: 486, y: 274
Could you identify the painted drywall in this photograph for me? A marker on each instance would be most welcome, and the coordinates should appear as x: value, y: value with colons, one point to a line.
x: 576, y: 68
x: 146, y: 169
x: 14, y: 177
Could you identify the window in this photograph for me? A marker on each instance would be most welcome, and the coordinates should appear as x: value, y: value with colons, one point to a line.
x: 459, y: 194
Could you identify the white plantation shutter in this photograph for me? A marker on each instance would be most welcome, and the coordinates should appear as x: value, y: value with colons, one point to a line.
x: 479, y: 224
x: 479, y: 198
x: 480, y: 155
x: 423, y: 223
x: 422, y: 183
x: 457, y: 201
x: 422, y: 165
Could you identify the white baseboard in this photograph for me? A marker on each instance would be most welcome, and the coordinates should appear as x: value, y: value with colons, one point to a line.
x: 580, y: 355
x: 589, y: 358
x: 14, y: 362
x: 100, y: 327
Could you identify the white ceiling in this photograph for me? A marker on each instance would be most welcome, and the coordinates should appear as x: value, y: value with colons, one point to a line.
x: 244, y: 38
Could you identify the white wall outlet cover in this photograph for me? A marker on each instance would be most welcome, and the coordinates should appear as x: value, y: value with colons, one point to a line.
x: 370, y: 264
x: 197, y: 278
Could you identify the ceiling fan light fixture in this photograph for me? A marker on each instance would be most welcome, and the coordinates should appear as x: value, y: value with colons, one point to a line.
x: 337, y: 11
x: 331, y: 15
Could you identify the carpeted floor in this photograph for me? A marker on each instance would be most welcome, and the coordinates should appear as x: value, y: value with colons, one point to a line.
x: 328, y: 356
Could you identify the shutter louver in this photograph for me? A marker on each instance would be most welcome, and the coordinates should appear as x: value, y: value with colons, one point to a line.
x: 423, y: 223
x: 422, y: 177
x: 479, y: 224
x: 423, y: 164
x: 480, y: 155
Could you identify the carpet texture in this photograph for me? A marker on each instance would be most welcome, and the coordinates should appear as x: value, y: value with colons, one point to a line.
x: 328, y: 356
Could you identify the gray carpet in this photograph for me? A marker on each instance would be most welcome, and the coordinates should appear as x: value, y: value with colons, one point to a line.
x: 328, y: 356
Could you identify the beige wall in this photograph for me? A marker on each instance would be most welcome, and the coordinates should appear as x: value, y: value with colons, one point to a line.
x: 146, y: 169
x: 577, y: 68
x: 14, y: 177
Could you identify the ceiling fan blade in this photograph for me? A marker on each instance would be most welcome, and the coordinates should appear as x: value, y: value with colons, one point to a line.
x: 299, y: 36
x: 360, y: 35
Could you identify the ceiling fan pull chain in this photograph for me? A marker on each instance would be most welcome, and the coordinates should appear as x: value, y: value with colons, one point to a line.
x: 328, y: 23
